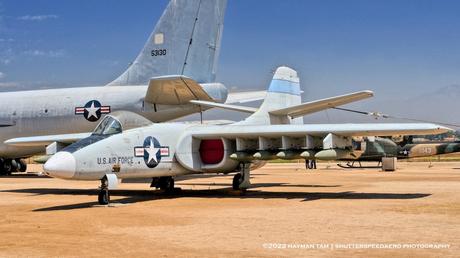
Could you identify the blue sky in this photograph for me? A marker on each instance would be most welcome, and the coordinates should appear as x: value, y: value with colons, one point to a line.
x: 398, y: 48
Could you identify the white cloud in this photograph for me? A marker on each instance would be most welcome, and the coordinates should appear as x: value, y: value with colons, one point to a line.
x: 8, y: 84
x: 38, y: 17
x: 2, y: 75
x: 6, y: 40
x: 44, y: 53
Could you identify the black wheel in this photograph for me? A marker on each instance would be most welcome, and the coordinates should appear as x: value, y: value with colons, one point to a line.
x: 103, y: 197
x: 167, y: 184
x: 7, y: 168
x: 236, y: 181
x: 22, y: 165
x: 2, y: 170
x: 15, y: 166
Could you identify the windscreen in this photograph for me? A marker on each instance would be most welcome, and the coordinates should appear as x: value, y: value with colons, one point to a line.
x: 108, y: 126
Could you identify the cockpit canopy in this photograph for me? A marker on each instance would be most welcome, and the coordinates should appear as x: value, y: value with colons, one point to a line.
x: 118, y: 121
x: 112, y: 124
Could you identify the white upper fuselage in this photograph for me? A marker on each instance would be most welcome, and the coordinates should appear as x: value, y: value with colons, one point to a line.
x: 54, y: 111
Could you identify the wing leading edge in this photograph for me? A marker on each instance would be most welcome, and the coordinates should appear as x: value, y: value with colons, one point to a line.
x: 320, y: 130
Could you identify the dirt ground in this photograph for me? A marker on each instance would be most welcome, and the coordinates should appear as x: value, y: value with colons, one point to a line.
x: 331, y: 212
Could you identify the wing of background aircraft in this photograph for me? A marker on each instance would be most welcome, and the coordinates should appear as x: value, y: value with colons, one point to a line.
x: 46, y: 139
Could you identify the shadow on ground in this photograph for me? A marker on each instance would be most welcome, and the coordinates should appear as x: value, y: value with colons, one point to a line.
x: 135, y: 196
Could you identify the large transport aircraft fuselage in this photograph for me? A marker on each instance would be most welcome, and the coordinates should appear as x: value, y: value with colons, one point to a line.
x: 59, y: 111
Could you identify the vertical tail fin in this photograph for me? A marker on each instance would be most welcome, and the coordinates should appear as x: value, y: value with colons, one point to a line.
x: 284, y: 91
x: 185, y: 41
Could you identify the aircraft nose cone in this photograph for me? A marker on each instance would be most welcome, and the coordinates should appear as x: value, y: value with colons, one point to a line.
x: 61, y: 165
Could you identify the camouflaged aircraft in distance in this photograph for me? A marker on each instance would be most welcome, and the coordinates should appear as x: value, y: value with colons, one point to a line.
x: 375, y: 148
x: 126, y: 146
x: 176, y: 67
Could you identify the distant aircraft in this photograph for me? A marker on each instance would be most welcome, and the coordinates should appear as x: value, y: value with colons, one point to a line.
x: 375, y: 148
x: 181, y: 54
x: 125, y: 145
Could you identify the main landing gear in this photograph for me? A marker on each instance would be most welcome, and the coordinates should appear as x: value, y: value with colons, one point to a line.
x: 8, y: 166
x: 165, y: 183
x: 241, y: 179
x: 310, y: 164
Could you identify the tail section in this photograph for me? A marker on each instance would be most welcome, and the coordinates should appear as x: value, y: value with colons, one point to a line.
x: 185, y: 41
x: 284, y: 91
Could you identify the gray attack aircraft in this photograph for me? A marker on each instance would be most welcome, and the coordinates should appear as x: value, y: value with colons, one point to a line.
x: 375, y: 148
x: 127, y: 146
x: 184, y: 44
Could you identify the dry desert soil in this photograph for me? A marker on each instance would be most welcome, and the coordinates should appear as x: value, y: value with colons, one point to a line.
x: 292, y: 212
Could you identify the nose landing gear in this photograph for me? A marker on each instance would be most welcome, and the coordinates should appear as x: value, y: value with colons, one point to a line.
x: 108, y: 182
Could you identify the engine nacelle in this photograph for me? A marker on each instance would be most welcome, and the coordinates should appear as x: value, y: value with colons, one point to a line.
x: 206, y: 155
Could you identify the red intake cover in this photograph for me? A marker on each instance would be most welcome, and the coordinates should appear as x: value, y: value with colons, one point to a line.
x: 211, y: 151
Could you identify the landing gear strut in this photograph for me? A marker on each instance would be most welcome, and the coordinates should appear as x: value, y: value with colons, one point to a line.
x: 310, y: 164
x: 241, y: 179
x: 104, y: 195
x: 165, y: 183
x: 108, y: 182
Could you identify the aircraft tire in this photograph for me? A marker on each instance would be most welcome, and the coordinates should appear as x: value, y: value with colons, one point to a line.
x: 15, y: 166
x: 103, y: 197
x: 236, y: 181
x: 22, y: 165
x: 2, y: 171
x: 167, y: 184
x: 7, y: 167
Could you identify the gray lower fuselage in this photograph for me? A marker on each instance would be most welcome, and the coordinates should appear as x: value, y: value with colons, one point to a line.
x: 62, y: 111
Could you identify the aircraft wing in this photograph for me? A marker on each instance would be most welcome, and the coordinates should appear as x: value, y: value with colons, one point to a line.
x: 6, y: 123
x: 322, y: 104
x: 174, y: 90
x: 320, y: 130
x: 46, y: 139
x: 298, y: 110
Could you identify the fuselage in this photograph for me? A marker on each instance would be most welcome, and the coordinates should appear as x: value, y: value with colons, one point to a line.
x: 153, y: 151
x: 76, y: 110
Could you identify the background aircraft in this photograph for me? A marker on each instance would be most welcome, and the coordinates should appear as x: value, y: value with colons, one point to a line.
x: 184, y: 44
x: 375, y: 148
x: 123, y: 146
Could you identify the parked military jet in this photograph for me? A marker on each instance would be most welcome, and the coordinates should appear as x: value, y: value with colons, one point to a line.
x: 125, y: 145
x: 375, y: 148
x: 184, y: 44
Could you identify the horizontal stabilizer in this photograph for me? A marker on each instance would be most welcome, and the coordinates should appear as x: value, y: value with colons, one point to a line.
x: 245, y: 96
x: 47, y: 139
x: 174, y: 90
x: 322, y: 104
x: 224, y: 106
